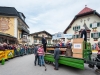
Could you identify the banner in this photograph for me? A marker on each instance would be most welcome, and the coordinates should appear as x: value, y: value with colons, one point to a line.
x: 69, y: 36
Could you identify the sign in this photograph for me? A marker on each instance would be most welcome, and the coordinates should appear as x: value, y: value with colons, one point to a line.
x: 4, y: 24
x: 58, y: 36
x: 68, y: 36
x: 77, y: 46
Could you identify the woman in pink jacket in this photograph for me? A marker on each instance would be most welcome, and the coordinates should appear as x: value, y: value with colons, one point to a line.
x: 41, y: 55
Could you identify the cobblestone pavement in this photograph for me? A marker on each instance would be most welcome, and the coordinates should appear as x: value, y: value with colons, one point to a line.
x: 25, y: 66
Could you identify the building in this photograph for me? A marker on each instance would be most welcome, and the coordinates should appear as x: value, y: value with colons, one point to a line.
x: 88, y: 18
x: 37, y: 37
x: 13, y: 23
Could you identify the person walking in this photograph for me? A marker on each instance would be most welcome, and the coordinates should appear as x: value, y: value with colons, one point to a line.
x: 44, y: 42
x: 41, y: 55
x: 36, y: 54
x: 56, y: 56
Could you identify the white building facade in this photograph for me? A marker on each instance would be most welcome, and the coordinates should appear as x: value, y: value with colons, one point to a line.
x: 88, y: 18
x: 35, y: 38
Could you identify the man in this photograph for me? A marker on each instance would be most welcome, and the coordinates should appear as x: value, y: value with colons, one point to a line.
x: 36, y: 54
x: 56, y: 57
x: 44, y: 42
x: 84, y: 34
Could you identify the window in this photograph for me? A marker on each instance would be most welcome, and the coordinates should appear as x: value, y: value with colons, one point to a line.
x: 20, y: 35
x: 95, y: 35
x: 35, y: 40
x: 76, y: 28
x: 75, y: 36
x: 49, y: 41
x: 40, y: 41
x: 88, y: 35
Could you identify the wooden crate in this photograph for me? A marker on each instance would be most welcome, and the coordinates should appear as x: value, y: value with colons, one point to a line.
x: 63, y: 49
x: 50, y: 48
x: 76, y: 55
x: 78, y: 48
x: 77, y: 51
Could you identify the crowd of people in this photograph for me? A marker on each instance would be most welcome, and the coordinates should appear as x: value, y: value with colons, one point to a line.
x: 19, y: 50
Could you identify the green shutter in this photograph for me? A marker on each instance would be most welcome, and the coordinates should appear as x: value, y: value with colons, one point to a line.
x: 99, y: 34
x: 91, y: 35
x: 91, y: 25
x: 76, y: 36
x: 78, y: 27
x: 73, y: 28
x: 98, y: 24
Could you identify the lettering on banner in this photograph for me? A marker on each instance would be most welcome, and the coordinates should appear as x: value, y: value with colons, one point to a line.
x: 77, y: 46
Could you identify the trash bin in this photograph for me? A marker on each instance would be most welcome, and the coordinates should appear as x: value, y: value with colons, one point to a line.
x: 3, y: 61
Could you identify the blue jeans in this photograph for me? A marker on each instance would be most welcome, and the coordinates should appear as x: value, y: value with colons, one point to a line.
x: 41, y: 60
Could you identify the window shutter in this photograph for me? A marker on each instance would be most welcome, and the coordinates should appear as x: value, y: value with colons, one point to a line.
x: 98, y: 24
x: 73, y: 28
x: 78, y: 27
x: 91, y: 35
x: 91, y: 25
x: 99, y: 34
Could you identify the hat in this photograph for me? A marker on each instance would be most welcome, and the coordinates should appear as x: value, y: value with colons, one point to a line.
x: 82, y: 28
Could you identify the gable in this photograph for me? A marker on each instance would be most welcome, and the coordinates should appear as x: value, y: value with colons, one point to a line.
x: 80, y: 22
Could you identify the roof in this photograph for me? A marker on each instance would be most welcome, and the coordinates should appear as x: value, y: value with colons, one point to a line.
x: 84, y: 12
x: 40, y: 32
x: 86, y: 28
x: 11, y: 11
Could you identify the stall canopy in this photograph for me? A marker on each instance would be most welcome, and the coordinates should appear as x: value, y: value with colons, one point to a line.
x: 61, y: 35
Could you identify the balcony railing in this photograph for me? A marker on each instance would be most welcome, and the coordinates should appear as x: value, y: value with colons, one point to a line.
x: 23, y: 28
x: 41, y: 37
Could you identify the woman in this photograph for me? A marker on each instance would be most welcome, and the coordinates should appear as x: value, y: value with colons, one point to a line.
x: 41, y: 55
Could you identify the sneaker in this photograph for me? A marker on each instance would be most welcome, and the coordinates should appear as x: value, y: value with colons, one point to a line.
x: 56, y: 69
x: 35, y: 64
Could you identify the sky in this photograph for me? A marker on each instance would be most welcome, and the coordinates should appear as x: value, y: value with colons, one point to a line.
x: 52, y: 16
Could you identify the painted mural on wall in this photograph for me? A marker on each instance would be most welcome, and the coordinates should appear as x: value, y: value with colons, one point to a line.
x: 4, y: 24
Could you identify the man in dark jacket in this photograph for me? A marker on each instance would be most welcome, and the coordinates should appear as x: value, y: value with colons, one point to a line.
x: 36, y: 54
x: 84, y: 34
x: 44, y: 42
x: 56, y: 57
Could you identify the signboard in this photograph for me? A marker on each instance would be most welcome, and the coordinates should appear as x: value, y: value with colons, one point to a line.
x: 68, y: 36
x: 4, y: 24
x: 77, y: 46
x: 58, y: 36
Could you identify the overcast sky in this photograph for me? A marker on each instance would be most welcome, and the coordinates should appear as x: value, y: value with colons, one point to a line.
x: 50, y: 15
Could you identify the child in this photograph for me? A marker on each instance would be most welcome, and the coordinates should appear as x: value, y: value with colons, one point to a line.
x: 41, y: 55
